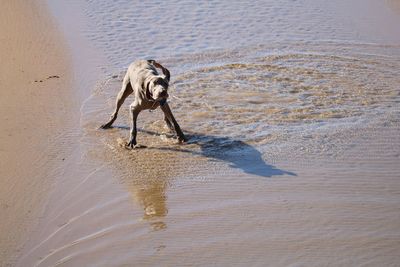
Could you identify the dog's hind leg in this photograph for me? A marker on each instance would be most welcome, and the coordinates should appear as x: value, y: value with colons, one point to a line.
x: 126, y: 90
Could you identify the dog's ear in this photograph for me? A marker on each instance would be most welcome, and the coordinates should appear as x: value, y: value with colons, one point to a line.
x: 148, y: 94
x: 166, y: 73
x: 146, y: 88
x: 164, y: 70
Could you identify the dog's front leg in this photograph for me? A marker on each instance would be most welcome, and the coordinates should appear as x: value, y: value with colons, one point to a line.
x: 132, y: 137
x: 126, y: 90
x: 169, y: 116
x: 169, y: 124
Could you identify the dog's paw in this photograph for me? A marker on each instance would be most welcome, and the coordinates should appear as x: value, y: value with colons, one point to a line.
x: 182, y: 139
x: 130, y: 146
x: 134, y: 147
x: 105, y: 126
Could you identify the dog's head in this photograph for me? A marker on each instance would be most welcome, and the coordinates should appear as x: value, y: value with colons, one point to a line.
x: 157, y: 89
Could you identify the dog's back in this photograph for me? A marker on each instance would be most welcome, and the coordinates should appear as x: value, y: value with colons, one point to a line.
x: 140, y: 70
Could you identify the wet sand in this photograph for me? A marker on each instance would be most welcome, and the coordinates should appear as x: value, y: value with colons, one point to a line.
x: 293, y: 156
x: 35, y: 103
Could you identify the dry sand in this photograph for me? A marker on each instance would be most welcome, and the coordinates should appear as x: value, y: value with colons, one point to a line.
x: 35, y: 100
x: 395, y: 5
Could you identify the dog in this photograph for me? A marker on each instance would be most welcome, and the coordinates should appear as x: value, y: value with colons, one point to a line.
x: 150, y: 89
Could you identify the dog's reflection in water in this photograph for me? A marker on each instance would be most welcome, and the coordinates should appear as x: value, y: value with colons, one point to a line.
x: 151, y: 170
x: 152, y: 198
x: 148, y: 175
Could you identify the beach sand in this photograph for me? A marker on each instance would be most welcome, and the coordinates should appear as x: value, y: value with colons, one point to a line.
x: 35, y: 101
x: 292, y: 114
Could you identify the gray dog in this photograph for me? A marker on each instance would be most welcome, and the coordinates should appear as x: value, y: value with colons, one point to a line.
x: 150, y: 90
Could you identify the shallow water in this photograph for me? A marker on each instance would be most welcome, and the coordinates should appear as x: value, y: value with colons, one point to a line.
x: 289, y: 114
x: 292, y: 114
x: 266, y: 95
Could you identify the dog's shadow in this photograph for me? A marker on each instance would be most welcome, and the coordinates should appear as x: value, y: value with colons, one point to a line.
x: 236, y: 153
